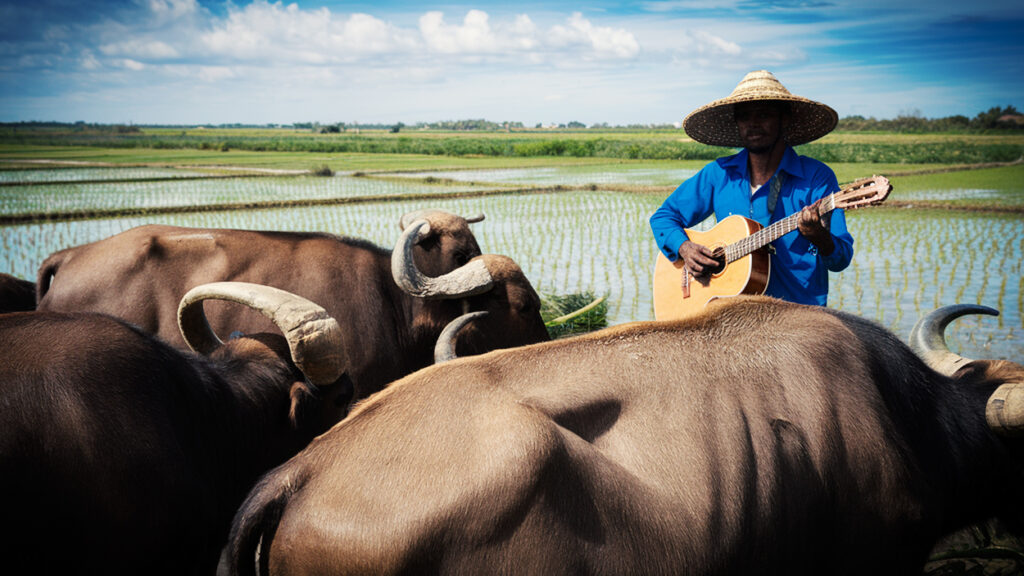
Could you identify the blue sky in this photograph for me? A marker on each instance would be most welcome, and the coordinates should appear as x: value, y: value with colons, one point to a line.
x: 210, y: 61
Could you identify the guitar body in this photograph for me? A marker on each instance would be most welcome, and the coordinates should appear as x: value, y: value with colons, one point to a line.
x: 747, y: 275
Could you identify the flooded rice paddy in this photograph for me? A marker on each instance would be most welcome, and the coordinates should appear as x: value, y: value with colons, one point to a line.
x: 93, y: 195
x: 71, y: 174
x: 565, y: 175
x: 907, y: 261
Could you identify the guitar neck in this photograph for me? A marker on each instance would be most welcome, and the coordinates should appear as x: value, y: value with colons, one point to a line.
x: 770, y: 233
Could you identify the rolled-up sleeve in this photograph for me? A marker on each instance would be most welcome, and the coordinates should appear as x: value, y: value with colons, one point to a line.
x: 841, y: 256
x: 688, y: 205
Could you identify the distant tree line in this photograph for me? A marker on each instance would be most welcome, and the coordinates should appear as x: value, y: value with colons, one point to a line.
x: 476, y: 124
x: 75, y: 127
x: 996, y: 118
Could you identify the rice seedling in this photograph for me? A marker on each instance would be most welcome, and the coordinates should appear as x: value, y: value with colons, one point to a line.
x: 906, y: 262
x: 80, y: 174
x: 71, y: 198
x: 567, y: 175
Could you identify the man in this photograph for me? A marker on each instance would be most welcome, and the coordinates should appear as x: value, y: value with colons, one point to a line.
x: 766, y: 182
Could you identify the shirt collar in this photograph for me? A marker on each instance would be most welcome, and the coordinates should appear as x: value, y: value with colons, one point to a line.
x: 790, y: 163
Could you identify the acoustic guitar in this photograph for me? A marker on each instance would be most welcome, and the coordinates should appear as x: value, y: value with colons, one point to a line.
x: 741, y: 245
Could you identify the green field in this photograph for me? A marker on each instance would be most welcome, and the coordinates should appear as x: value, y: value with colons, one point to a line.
x: 663, y: 144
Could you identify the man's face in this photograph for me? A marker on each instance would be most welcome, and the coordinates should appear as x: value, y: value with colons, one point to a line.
x: 760, y: 125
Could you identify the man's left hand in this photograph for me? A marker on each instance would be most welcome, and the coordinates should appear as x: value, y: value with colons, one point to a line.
x: 816, y: 229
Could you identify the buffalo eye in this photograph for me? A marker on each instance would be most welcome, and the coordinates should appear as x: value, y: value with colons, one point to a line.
x: 429, y: 243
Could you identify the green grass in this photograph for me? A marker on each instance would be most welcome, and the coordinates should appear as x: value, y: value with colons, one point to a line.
x: 10, y: 154
x: 619, y: 144
x: 555, y: 307
x: 990, y: 188
x: 1010, y: 178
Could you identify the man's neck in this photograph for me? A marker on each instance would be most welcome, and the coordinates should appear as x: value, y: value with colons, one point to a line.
x: 762, y: 165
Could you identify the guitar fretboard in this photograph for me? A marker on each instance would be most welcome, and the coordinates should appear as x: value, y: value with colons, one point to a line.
x: 772, y: 232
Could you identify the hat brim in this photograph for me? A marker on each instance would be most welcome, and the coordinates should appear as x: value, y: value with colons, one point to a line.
x: 714, y: 124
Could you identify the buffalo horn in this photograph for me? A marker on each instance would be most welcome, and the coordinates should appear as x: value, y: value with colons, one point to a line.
x: 410, y: 217
x: 314, y: 338
x: 472, y: 278
x: 928, y: 338
x: 444, y: 350
x: 1004, y: 411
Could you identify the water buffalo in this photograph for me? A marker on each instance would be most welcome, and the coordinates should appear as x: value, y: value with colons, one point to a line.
x: 122, y: 455
x: 389, y: 328
x: 760, y: 437
x: 16, y: 295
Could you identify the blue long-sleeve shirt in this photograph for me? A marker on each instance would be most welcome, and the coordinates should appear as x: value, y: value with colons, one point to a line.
x: 798, y: 272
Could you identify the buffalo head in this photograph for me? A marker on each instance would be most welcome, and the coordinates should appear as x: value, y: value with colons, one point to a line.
x: 313, y: 343
x: 1005, y: 409
x: 445, y: 244
x: 488, y: 283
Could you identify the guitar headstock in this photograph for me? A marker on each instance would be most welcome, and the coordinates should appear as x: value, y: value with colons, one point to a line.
x: 863, y: 192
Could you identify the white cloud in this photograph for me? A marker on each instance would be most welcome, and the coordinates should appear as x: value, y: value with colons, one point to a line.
x: 56, y: 33
x: 365, y: 34
x: 388, y: 64
x: 277, y: 33
x: 691, y: 5
x: 605, y: 41
x: 473, y: 36
x: 214, y: 73
x: 88, y: 60
x: 260, y: 29
x: 130, y: 64
x: 273, y: 32
x: 173, y: 9
x: 713, y: 45
x: 524, y: 31
x: 141, y: 49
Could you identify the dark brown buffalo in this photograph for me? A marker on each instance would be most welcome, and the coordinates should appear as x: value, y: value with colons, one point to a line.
x: 16, y: 295
x: 122, y: 455
x: 760, y: 438
x: 139, y: 275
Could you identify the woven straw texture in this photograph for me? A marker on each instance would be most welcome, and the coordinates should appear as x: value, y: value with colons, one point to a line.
x: 713, y: 123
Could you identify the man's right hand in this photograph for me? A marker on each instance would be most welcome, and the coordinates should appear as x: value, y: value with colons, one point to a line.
x: 697, y: 258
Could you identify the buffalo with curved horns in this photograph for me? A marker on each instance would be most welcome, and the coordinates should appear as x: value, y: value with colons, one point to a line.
x: 392, y: 306
x: 122, y: 455
x: 760, y: 437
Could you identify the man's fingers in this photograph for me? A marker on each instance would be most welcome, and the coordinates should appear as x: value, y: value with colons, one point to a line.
x: 705, y: 259
x: 697, y: 258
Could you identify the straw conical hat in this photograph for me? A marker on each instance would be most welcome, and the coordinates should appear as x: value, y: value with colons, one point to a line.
x: 714, y: 124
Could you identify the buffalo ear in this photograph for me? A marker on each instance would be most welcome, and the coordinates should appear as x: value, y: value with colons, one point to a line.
x: 303, y: 403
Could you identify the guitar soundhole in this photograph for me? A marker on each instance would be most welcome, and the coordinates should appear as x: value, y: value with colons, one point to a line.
x: 719, y: 255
